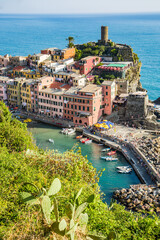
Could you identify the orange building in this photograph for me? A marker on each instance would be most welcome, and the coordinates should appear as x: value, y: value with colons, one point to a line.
x: 68, y: 53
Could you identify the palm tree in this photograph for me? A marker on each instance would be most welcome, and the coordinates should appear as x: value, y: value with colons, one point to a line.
x: 70, y: 41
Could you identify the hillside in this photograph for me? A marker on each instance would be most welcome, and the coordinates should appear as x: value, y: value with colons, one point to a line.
x: 19, y: 165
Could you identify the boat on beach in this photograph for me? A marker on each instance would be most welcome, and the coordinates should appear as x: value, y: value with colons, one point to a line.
x: 111, y: 153
x: 51, y: 140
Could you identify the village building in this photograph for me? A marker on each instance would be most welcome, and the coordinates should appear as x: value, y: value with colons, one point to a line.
x: 18, y: 61
x: 50, y: 100
x: 86, y: 65
x: 108, y: 90
x: 83, y: 106
x: 4, y: 60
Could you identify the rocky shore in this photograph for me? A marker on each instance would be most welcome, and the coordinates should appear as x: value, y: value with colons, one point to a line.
x: 139, y: 198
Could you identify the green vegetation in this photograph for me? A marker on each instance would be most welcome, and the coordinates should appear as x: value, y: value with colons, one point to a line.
x: 20, y: 166
x: 70, y: 41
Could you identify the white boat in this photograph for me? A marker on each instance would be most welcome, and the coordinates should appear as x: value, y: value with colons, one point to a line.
x: 51, y: 140
x: 68, y: 131
x: 109, y: 158
x: 125, y: 171
x: 123, y: 167
x: 105, y: 149
x: 88, y: 141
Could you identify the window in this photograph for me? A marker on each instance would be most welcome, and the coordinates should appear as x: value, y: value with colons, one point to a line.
x: 75, y: 106
x: 94, y: 109
x: 87, y: 108
x: 83, y: 108
x: 106, y: 93
x: 68, y: 112
x: 106, y: 87
x: 72, y: 106
x: 121, y: 86
x: 83, y: 101
x: 65, y: 111
x: 79, y: 107
x: 60, y: 97
x: 80, y: 121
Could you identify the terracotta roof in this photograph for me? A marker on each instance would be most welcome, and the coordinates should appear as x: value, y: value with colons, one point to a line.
x: 60, y: 85
x: 18, y: 68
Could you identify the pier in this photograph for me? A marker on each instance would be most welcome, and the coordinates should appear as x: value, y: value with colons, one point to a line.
x: 128, y: 152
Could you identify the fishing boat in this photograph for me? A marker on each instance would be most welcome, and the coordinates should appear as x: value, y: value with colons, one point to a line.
x: 51, y: 140
x: 79, y: 137
x: 105, y: 149
x: 111, y: 153
x: 88, y: 141
x: 125, y: 171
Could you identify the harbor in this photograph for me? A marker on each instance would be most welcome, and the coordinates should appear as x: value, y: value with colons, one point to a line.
x: 110, y: 179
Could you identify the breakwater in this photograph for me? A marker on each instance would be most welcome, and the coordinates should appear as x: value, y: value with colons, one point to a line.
x: 139, y: 197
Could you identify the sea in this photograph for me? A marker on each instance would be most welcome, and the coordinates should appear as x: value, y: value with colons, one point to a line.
x: 28, y: 34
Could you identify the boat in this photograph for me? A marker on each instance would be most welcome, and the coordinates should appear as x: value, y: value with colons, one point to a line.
x: 84, y: 140
x: 110, y: 159
x: 111, y: 153
x: 68, y: 131
x: 125, y: 171
x: 79, y: 137
x: 123, y: 167
x: 105, y: 149
x: 51, y: 140
x: 88, y: 141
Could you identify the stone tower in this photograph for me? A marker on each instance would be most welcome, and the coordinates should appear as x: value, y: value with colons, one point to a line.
x: 104, y: 34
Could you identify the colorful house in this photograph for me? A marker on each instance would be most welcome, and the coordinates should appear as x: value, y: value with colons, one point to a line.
x: 83, y: 106
x: 85, y: 65
x: 108, y: 90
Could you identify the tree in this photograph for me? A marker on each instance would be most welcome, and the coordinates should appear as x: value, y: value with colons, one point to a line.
x: 70, y: 41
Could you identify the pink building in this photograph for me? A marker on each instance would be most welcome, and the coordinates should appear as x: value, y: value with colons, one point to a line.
x: 85, y: 65
x: 84, y: 106
x: 36, y: 86
x: 3, y: 92
x: 108, y: 89
x: 50, y: 100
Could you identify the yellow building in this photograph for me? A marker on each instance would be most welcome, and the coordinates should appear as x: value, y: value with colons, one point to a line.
x: 13, y: 92
x: 25, y: 93
x: 32, y: 75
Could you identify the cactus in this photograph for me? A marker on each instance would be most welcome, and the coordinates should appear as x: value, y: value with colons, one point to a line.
x: 42, y: 198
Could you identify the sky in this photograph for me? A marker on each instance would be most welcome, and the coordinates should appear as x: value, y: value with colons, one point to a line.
x: 79, y: 6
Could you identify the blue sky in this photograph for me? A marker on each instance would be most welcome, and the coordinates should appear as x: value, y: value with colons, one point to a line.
x: 79, y: 6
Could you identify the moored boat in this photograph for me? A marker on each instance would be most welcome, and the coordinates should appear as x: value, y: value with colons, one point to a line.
x: 68, y: 131
x: 125, y: 171
x: 123, y: 167
x: 88, y: 141
x: 111, y: 153
x: 105, y: 149
x: 79, y: 137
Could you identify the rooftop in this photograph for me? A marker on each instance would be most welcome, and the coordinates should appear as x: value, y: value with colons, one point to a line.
x: 90, y: 88
x: 107, y: 83
x: 58, y: 85
x: 89, y: 57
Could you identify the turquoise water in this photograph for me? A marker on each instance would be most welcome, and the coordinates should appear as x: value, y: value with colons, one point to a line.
x: 28, y: 34
x: 110, y: 179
